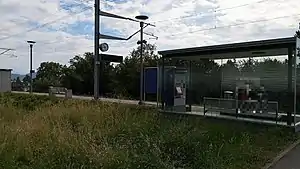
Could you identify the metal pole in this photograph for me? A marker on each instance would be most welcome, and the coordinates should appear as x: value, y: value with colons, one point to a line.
x: 96, y: 49
x: 31, y: 68
x: 297, y: 54
x: 157, y: 84
x: 189, y: 98
x: 162, y: 90
x: 144, y: 92
x: 290, y: 86
x: 295, y: 86
x: 221, y: 69
x: 142, y: 69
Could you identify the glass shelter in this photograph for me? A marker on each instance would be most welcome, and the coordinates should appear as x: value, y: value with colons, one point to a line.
x: 253, y: 81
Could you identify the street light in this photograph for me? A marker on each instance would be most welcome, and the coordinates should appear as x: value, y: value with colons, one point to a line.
x: 142, y: 18
x: 31, y: 71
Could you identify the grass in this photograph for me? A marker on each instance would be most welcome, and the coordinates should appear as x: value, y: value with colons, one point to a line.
x: 39, y: 132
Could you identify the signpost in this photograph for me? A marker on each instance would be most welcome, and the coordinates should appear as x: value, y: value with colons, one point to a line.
x: 112, y: 58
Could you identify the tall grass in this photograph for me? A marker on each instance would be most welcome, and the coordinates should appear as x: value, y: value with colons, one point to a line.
x: 80, y: 134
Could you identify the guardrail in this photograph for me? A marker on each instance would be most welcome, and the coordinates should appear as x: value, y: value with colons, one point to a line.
x: 265, y: 110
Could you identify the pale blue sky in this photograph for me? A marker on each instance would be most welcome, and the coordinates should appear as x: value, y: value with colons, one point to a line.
x: 178, y: 24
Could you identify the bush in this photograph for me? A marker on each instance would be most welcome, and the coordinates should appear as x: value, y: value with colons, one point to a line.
x: 89, y: 134
x: 25, y: 101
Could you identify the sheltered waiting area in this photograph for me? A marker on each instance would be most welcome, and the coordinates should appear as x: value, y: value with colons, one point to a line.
x: 193, y: 81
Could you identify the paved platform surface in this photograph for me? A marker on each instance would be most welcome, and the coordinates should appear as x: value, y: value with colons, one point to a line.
x: 112, y: 100
x: 290, y: 161
x: 91, y: 98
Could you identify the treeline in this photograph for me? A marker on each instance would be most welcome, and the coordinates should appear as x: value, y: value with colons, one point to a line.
x: 117, y: 80
x: 209, y: 78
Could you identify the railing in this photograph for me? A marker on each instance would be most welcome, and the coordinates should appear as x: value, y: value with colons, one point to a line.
x: 219, y: 105
x: 265, y: 110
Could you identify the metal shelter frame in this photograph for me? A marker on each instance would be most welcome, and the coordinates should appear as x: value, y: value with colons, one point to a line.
x: 260, y: 48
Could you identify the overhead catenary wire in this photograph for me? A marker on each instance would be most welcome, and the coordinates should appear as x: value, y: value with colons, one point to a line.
x: 68, y: 38
x: 213, y: 28
x: 208, y: 29
x: 10, y: 27
x: 151, y: 34
x: 58, y: 41
x: 199, y: 30
x: 24, y: 22
x: 213, y: 10
x: 45, y: 24
x: 232, y: 25
x: 52, y: 51
x: 10, y: 55
x: 5, y: 51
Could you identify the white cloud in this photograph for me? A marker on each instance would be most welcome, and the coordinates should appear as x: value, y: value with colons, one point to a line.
x: 18, y: 16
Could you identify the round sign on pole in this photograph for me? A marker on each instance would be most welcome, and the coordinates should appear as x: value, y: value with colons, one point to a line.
x: 104, y: 47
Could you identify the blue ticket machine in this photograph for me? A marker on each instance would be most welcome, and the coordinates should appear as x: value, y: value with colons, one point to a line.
x: 174, y: 93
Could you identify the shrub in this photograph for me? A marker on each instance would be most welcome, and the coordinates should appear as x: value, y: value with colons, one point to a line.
x: 89, y: 134
x: 25, y: 101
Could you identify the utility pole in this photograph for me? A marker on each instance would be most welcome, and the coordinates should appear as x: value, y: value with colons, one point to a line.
x: 141, y: 42
x: 142, y: 66
x: 97, y: 59
x: 31, y: 71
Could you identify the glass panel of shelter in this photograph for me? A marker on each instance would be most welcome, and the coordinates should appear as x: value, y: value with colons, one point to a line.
x: 260, y: 91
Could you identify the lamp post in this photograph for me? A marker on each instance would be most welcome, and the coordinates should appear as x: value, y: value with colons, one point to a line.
x: 141, y: 42
x: 31, y: 71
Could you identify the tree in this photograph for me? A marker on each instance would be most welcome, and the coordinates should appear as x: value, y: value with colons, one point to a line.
x: 248, y: 67
x: 17, y: 85
x: 79, y: 76
x: 127, y: 74
x: 48, y: 74
x: 26, y: 82
x: 205, y: 80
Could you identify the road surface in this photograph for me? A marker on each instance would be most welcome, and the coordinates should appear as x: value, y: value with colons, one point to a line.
x: 123, y: 101
x: 290, y: 161
x: 91, y: 98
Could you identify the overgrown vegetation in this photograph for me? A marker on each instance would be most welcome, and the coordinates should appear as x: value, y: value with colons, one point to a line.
x: 27, y: 102
x: 81, y: 134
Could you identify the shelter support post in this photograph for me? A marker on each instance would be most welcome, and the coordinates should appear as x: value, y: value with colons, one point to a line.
x: 289, y: 101
x: 189, y: 98
x: 162, y: 84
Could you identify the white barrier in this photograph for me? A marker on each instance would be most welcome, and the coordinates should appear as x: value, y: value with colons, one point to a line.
x: 60, y: 90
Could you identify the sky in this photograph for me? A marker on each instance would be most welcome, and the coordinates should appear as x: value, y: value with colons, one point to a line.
x: 61, y: 30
